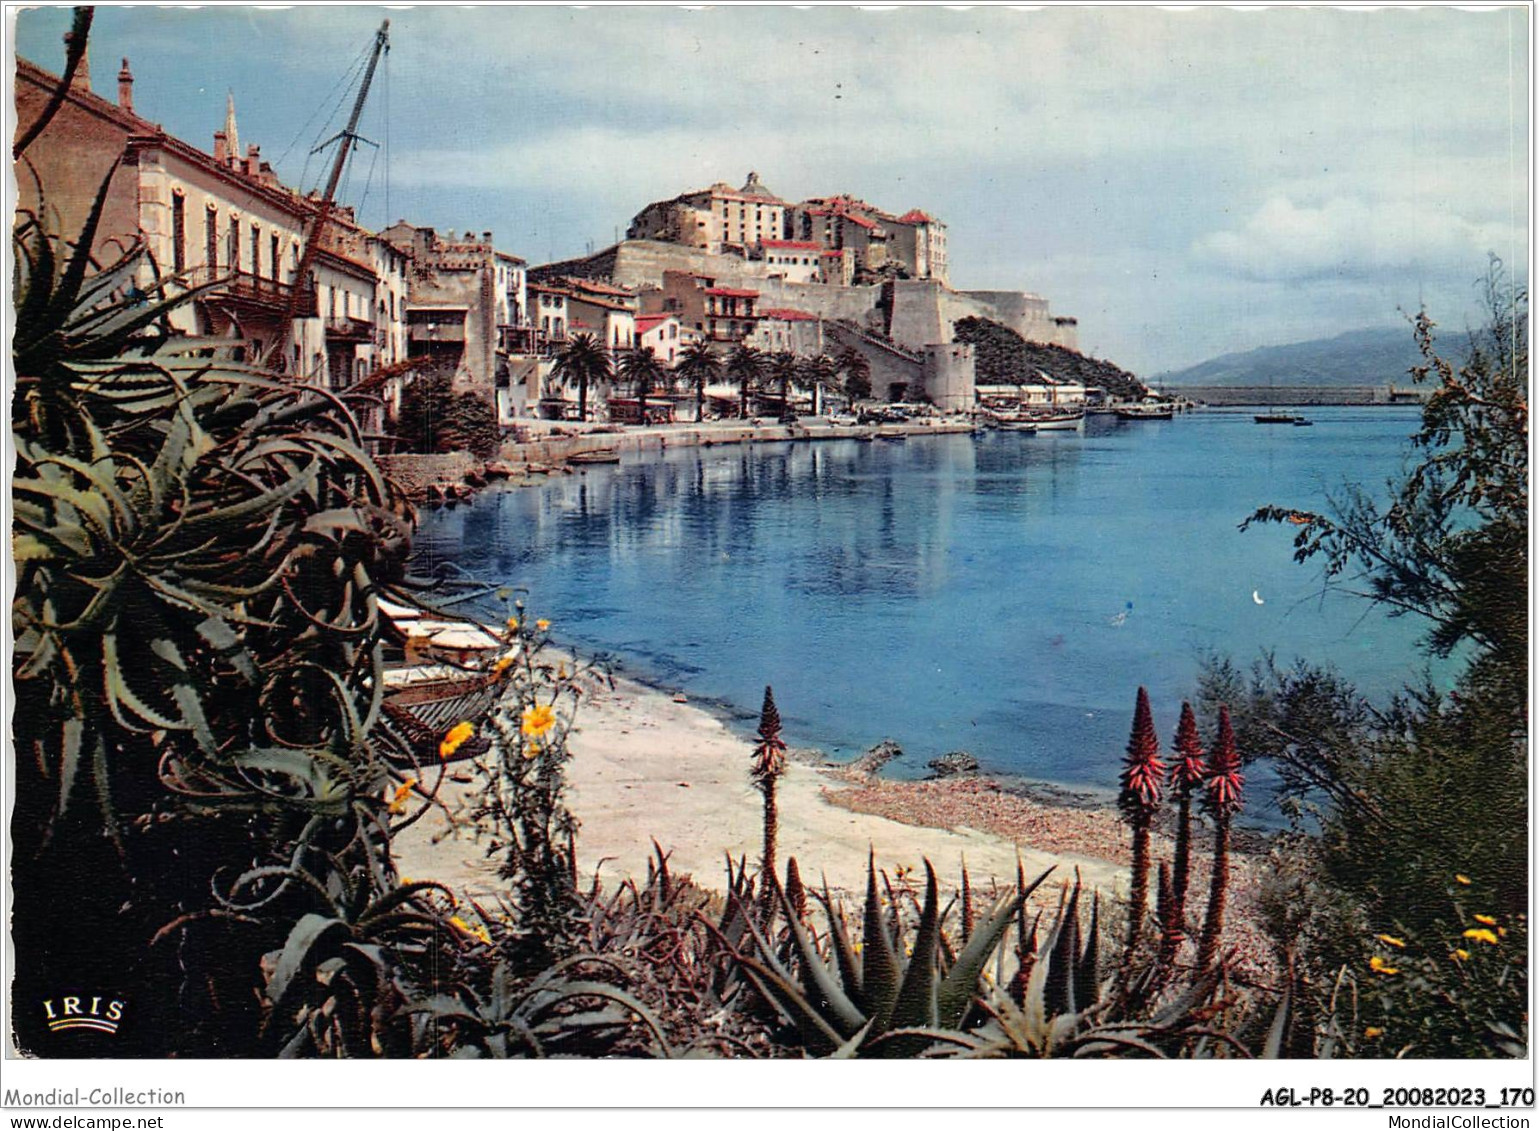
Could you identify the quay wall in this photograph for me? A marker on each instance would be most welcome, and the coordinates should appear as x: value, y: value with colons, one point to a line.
x: 415, y: 473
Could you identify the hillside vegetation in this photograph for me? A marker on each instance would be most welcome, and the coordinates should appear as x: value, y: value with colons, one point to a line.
x: 1358, y: 357
x: 1006, y: 358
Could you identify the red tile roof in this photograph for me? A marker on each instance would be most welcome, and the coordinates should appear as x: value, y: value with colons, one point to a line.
x: 786, y: 314
x: 914, y: 216
x: 808, y: 244
x: 645, y: 323
x: 731, y: 292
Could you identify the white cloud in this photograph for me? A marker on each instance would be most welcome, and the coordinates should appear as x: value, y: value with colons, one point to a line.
x: 1351, y: 238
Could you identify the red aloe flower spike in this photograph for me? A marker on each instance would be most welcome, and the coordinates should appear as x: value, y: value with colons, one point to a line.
x: 1186, y: 775
x: 769, y: 762
x: 1143, y: 772
x: 1226, y: 784
x: 1188, y: 770
x: 1223, y: 799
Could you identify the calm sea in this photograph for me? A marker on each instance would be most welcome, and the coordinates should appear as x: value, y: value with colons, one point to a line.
x: 1004, y: 595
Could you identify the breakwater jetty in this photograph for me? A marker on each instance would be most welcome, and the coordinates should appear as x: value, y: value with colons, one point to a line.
x: 1301, y: 395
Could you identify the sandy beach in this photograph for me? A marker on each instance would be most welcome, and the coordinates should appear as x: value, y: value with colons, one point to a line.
x: 645, y: 767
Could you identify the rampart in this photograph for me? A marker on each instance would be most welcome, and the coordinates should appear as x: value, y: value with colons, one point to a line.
x: 915, y: 313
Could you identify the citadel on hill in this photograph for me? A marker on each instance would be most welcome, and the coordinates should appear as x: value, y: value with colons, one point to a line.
x: 736, y: 264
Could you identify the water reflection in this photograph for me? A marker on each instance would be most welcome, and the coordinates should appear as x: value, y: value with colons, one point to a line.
x: 1004, y: 594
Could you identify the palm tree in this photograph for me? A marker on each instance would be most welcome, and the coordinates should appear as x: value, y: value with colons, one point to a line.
x: 1142, y: 778
x: 1224, y: 797
x: 817, y: 373
x: 582, y: 361
x: 857, y: 373
x: 698, y: 365
x: 782, y: 367
x: 747, y: 365
x: 641, y: 368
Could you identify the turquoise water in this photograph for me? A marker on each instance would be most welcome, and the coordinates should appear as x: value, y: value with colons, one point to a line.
x: 1004, y: 594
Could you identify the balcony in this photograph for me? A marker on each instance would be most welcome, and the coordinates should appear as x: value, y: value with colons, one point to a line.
x: 253, y: 294
x: 348, y: 329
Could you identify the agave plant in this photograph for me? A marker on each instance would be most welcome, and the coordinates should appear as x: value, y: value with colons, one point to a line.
x: 870, y: 1002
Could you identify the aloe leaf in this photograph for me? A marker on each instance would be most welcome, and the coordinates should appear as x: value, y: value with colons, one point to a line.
x: 1087, y: 968
x: 1279, y: 1029
x: 579, y: 989
x: 960, y: 983
x: 820, y: 1037
x: 879, y: 966
x: 819, y: 985
x: 70, y: 735
x: 916, y: 996
x: 1059, y: 990
x: 120, y: 695
x: 844, y: 954
x: 301, y: 950
x: 851, y: 1047
x: 227, y: 519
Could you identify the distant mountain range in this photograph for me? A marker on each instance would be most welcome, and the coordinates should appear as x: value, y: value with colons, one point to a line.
x: 1359, y: 357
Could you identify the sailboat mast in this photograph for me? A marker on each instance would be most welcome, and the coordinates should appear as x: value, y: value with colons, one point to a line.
x: 347, y: 137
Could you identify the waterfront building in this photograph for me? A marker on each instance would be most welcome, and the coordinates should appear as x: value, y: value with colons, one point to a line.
x: 663, y: 335
x: 784, y: 330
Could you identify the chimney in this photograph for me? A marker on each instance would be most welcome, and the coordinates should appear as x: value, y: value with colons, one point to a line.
x: 253, y: 160
x: 82, y: 79
x: 486, y: 237
x: 126, y: 88
x: 221, y: 149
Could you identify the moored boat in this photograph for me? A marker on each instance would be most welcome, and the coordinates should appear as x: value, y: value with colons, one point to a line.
x: 1057, y: 422
x: 1278, y: 418
x: 1152, y: 411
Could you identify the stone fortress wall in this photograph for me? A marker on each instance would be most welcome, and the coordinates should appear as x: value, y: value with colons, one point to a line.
x: 913, y: 313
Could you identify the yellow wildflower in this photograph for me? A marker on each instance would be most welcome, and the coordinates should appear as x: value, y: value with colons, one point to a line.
x: 1462, y: 955
x: 1462, y: 878
x: 538, y: 720
x: 513, y: 623
x: 1481, y: 934
x: 403, y: 791
x: 532, y: 751
x: 1379, y: 966
x: 1390, y: 940
x: 560, y: 671
x: 502, y: 665
x: 458, y: 735
x: 1373, y: 1032
x: 476, y: 932
x: 542, y: 625
x: 1488, y: 920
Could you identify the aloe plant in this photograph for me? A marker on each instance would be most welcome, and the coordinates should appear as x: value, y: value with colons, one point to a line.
x: 200, y: 548
x: 846, y: 1001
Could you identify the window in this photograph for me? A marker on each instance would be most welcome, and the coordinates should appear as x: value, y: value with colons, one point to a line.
x: 234, y: 243
x: 272, y: 262
x: 256, y: 252
x: 211, y: 238
x: 178, y: 232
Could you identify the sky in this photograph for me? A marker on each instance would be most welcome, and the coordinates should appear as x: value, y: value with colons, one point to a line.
x: 1184, y: 182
